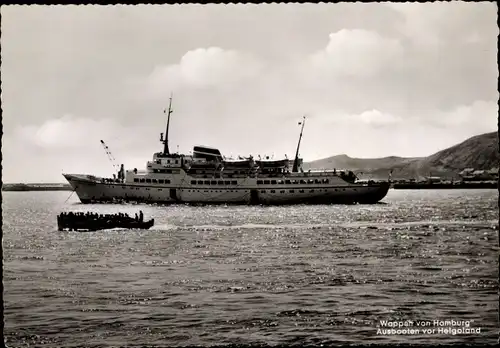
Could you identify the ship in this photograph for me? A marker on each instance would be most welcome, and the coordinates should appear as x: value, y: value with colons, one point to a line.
x: 208, y: 177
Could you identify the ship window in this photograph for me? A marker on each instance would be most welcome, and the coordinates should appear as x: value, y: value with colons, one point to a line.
x: 302, y: 181
x: 143, y: 180
x: 227, y: 182
x: 310, y: 181
x: 234, y: 182
x: 317, y: 181
x: 213, y: 182
x: 287, y: 182
x: 295, y: 182
x: 259, y: 182
x: 167, y: 181
x: 220, y: 182
x: 325, y: 181
x: 176, y: 161
x: 292, y: 191
x: 200, y: 182
x: 168, y: 161
x: 148, y: 180
x: 273, y: 182
x: 311, y: 190
x: 207, y: 182
x: 301, y: 191
x: 266, y: 182
x: 136, y: 180
x: 272, y: 191
x: 154, y: 181
x: 158, y: 161
x: 159, y: 189
x: 193, y: 182
x: 137, y: 188
x: 262, y: 191
x: 282, y: 191
x: 280, y: 182
x: 168, y: 171
x: 160, y: 181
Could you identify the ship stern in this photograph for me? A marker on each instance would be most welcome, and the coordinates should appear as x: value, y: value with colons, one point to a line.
x: 375, y: 196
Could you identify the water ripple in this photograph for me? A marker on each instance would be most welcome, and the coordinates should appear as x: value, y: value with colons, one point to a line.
x: 302, y: 275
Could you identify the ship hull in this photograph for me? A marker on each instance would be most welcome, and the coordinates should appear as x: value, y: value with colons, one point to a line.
x: 90, y: 191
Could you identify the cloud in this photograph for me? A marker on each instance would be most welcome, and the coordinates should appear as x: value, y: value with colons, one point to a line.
x: 369, y: 118
x: 203, y: 68
x: 439, y: 23
x: 378, y: 119
x: 478, y: 117
x: 72, y: 144
x: 357, y: 52
x: 67, y: 132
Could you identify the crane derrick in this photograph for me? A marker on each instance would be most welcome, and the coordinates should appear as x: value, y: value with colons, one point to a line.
x: 110, y: 156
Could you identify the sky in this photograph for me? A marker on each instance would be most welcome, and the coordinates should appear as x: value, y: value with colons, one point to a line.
x: 373, y: 79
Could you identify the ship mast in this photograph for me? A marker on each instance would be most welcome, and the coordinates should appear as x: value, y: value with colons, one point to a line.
x: 296, y: 161
x: 165, y: 141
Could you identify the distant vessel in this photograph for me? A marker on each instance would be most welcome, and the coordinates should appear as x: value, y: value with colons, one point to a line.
x: 208, y: 177
x: 36, y: 187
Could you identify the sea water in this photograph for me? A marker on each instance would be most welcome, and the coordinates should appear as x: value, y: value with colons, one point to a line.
x: 206, y: 275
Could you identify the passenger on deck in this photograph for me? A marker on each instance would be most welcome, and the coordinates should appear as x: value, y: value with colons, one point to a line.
x: 141, y: 216
x: 136, y: 217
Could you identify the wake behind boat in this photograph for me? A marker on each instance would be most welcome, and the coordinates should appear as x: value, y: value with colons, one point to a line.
x: 93, y: 222
x: 208, y: 177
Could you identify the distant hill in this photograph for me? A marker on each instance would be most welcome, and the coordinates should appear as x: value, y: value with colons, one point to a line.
x: 479, y: 152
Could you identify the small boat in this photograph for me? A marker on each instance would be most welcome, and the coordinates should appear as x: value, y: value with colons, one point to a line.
x: 95, y: 222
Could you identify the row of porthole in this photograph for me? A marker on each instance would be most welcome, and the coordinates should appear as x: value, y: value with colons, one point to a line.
x: 300, y: 191
x: 137, y: 188
x: 261, y: 191
x: 221, y: 191
x: 153, y: 181
x: 292, y: 182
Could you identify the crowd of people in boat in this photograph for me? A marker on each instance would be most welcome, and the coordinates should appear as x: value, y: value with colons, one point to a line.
x: 89, y: 216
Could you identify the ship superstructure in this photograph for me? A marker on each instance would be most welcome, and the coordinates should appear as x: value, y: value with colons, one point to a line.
x: 207, y: 176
